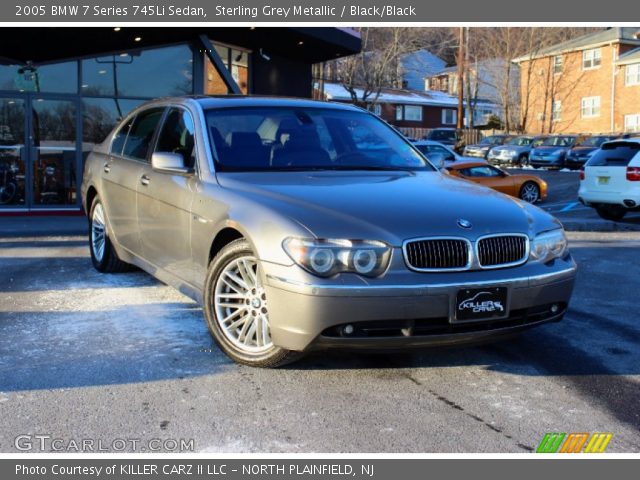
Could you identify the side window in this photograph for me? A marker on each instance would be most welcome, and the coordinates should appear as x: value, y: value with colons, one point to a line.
x: 120, y: 137
x: 446, y: 154
x: 177, y: 136
x: 482, y: 172
x: 141, y: 133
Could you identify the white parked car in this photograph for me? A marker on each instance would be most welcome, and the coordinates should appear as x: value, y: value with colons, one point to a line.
x: 610, y: 181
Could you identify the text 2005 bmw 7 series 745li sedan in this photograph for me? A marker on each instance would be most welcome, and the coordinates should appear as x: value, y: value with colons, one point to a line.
x: 302, y: 225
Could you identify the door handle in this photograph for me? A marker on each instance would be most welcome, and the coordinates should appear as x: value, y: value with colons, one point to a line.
x: 107, y: 167
x: 144, y: 180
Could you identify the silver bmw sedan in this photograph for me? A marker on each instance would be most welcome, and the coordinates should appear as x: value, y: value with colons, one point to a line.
x: 304, y: 225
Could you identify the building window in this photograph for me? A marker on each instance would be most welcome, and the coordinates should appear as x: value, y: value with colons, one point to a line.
x: 449, y: 116
x: 398, y: 112
x: 590, y: 107
x: 413, y: 113
x: 236, y: 61
x: 557, y: 64
x: 591, y: 58
x: 151, y: 73
x: 556, y: 111
x: 376, y: 108
x: 632, y: 74
x: 632, y: 123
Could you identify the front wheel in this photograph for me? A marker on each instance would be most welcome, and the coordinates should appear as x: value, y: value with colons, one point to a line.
x: 523, y: 160
x: 530, y: 192
x: 611, y: 212
x: 236, y: 309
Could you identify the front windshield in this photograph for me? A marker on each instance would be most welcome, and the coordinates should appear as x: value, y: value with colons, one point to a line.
x: 558, y: 141
x: 520, y: 141
x: 493, y: 140
x: 289, y: 138
x: 593, y: 141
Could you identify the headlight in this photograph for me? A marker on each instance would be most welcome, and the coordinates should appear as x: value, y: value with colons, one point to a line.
x: 328, y: 257
x: 548, y: 245
x: 558, y: 151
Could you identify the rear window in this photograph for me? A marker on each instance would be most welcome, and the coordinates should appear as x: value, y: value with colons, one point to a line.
x: 615, y: 154
x: 438, y: 135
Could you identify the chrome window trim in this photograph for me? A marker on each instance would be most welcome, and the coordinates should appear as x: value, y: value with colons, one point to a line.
x: 470, y: 253
x: 502, y: 265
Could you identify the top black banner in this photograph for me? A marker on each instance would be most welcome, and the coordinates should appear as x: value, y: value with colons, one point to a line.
x: 325, y: 11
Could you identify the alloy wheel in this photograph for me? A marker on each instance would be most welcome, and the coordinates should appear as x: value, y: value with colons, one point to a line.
x: 530, y: 193
x: 98, y: 234
x: 240, y: 304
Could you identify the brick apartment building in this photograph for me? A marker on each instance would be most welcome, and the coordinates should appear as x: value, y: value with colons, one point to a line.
x: 417, y: 109
x: 590, y: 84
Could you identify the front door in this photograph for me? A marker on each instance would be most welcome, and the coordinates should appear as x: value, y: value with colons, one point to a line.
x: 39, y: 144
x: 13, y: 153
x: 53, y: 151
x: 164, y: 201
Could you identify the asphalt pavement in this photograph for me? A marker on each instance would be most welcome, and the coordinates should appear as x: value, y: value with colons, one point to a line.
x: 562, y: 202
x: 87, y: 356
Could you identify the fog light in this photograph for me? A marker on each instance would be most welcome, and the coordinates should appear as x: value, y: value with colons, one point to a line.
x: 555, y: 308
x: 348, y: 330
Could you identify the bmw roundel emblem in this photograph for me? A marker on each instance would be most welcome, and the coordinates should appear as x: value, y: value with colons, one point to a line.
x: 462, y: 223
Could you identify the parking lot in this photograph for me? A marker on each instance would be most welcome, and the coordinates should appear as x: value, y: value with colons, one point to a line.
x: 562, y: 201
x: 106, y: 357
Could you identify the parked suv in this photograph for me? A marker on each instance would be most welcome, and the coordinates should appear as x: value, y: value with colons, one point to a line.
x: 515, y: 151
x: 481, y: 149
x: 552, y: 151
x: 584, y: 149
x: 610, y: 180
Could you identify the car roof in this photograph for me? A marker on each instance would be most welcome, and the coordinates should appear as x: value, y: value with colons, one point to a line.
x: 234, y: 101
x: 624, y: 140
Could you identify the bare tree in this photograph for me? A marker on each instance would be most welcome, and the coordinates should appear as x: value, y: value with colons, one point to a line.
x: 365, y: 74
x: 514, y: 84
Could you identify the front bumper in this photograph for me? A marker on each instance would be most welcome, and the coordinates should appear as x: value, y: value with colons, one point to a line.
x: 546, y: 161
x: 411, y: 310
x: 502, y: 157
x: 573, y: 162
x: 475, y: 153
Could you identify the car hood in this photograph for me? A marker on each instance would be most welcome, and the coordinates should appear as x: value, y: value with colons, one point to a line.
x: 388, y: 206
x: 583, y: 150
x: 550, y: 149
x: 515, y: 148
x: 477, y: 146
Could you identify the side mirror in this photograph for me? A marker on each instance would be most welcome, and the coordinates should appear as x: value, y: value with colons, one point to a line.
x: 169, y: 162
x: 437, y: 159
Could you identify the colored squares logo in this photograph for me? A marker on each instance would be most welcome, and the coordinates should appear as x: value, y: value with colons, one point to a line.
x: 554, y: 442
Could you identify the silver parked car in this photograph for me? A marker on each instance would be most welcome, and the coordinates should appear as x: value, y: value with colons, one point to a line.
x: 302, y: 225
x: 515, y: 151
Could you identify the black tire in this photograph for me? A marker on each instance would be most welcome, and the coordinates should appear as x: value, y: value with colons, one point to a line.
x: 524, y: 192
x: 109, y: 262
x: 611, y: 212
x: 523, y: 160
x: 271, y: 358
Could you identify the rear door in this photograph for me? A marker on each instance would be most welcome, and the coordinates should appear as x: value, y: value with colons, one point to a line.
x: 606, y: 170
